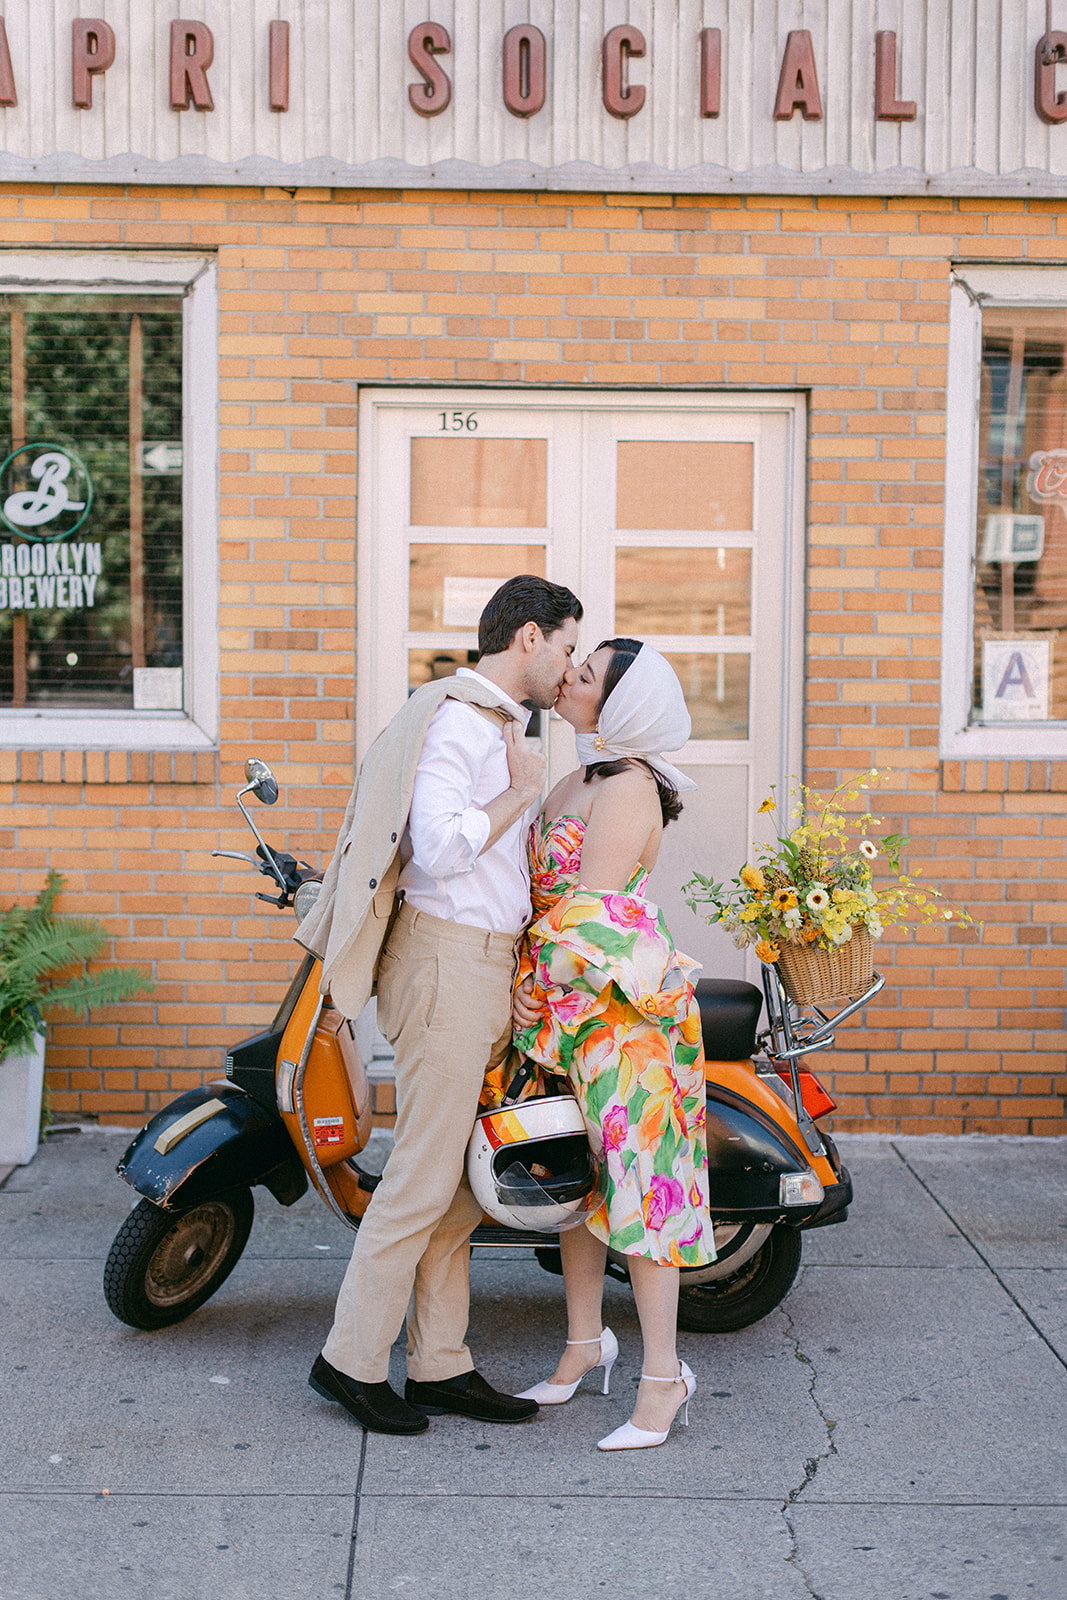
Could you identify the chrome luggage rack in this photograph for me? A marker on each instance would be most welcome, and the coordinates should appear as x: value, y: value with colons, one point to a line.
x: 792, y: 1032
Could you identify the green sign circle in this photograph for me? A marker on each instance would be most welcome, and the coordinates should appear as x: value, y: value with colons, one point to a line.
x: 65, y: 533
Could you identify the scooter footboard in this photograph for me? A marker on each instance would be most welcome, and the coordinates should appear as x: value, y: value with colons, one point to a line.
x: 209, y: 1140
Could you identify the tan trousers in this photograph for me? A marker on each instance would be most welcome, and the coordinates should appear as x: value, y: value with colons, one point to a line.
x: 444, y: 1003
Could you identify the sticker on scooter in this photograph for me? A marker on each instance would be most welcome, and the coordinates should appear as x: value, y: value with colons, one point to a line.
x: 328, y: 1130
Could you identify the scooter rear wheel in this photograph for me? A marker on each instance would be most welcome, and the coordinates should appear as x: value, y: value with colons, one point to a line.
x: 164, y: 1264
x: 750, y: 1293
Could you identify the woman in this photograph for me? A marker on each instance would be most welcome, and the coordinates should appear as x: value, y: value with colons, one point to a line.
x: 605, y: 998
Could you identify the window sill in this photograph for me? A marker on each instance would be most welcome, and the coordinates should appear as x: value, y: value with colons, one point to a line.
x: 109, y: 766
x: 1003, y: 777
x: 102, y: 730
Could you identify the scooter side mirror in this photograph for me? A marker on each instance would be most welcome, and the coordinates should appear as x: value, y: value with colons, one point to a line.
x: 263, y: 782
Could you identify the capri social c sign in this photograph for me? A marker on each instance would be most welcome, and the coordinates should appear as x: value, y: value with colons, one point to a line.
x: 45, y: 496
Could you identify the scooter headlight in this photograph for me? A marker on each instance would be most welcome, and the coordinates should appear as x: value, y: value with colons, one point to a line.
x: 799, y: 1189
x: 306, y: 896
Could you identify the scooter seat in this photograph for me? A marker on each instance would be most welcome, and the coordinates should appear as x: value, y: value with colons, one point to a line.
x: 729, y: 1017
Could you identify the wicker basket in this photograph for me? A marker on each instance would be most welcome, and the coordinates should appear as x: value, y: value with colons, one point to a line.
x: 810, y: 975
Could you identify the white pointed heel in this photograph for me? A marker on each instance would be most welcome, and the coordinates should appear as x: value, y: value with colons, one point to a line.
x: 557, y: 1394
x: 630, y: 1438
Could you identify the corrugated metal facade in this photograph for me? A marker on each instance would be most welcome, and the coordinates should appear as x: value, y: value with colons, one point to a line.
x: 968, y: 65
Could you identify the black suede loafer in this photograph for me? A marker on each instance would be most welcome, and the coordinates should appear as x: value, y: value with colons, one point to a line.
x: 470, y: 1396
x: 375, y: 1406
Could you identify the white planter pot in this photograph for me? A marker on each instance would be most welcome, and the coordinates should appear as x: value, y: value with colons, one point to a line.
x: 21, y: 1087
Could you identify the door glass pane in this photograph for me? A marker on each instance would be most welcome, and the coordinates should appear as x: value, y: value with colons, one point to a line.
x: 682, y: 591
x: 479, y: 483
x: 716, y: 692
x: 1020, y: 601
x: 425, y: 666
x: 451, y: 583
x: 668, y: 483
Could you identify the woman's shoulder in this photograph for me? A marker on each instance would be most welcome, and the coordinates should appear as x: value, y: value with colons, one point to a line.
x: 566, y: 797
x: 633, y: 778
x: 630, y: 792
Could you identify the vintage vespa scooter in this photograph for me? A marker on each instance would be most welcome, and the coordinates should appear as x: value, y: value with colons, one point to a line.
x: 296, y: 1104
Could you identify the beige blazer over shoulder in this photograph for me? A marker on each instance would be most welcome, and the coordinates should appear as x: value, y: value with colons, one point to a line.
x: 348, y: 925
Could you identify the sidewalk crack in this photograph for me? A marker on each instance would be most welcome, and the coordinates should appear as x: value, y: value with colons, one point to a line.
x: 811, y: 1465
x: 355, y: 1519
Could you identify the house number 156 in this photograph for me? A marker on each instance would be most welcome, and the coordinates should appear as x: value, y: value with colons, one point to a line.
x: 456, y: 421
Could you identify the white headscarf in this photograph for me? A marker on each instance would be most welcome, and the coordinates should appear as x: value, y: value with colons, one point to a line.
x: 643, y: 715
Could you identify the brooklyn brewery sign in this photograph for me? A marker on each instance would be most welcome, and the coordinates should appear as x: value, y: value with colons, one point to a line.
x: 45, y: 496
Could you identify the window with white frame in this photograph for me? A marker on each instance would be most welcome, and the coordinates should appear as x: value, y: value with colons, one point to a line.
x: 1004, y: 673
x: 108, y: 566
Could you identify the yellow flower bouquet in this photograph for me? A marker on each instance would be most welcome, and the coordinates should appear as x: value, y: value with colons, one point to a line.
x: 814, y: 885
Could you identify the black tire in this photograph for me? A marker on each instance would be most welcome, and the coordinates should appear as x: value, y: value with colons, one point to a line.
x: 748, y: 1294
x: 164, y: 1264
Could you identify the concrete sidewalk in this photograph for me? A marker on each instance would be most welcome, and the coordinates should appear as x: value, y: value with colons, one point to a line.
x: 896, y: 1431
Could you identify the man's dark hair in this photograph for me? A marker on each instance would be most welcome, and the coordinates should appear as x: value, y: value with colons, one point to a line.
x: 519, y: 601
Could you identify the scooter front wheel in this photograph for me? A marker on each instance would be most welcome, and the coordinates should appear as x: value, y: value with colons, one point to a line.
x: 164, y: 1264
x: 760, y: 1284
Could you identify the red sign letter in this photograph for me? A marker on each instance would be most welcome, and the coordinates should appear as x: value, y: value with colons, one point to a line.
x: 192, y: 50
x: 710, y: 70
x: 8, y: 97
x: 92, y: 50
x: 619, y: 45
x: 798, y: 82
x: 430, y: 97
x: 279, y: 66
x: 524, y: 70
x: 1050, y: 106
x: 887, y: 108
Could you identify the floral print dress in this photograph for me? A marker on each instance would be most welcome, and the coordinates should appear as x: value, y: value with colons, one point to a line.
x: 622, y: 1023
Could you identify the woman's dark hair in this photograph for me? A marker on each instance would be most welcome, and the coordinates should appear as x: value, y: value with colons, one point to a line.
x: 519, y: 601
x: 624, y: 654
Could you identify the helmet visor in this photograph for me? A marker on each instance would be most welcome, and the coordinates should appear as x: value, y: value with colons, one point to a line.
x: 553, y: 1183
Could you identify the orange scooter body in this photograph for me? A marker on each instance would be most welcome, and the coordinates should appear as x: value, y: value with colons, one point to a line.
x: 321, y: 1073
x: 324, y: 1076
x: 743, y: 1079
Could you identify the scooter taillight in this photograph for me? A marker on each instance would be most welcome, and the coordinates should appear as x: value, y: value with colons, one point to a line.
x: 816, y: 1100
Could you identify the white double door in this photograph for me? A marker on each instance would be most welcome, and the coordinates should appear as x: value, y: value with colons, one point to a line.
x: 677, y: 519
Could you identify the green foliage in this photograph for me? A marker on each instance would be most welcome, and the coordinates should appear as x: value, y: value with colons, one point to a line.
x: 44, y: 964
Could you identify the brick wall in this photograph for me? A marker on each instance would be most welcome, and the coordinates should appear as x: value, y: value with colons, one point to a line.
x: 321, y: 290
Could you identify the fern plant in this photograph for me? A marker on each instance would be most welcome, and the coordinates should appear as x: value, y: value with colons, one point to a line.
x: 43, y: 964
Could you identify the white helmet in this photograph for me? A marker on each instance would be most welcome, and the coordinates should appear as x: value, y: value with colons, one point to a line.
x: 530, y: 1165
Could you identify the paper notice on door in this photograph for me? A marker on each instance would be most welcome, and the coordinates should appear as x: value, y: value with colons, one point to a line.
x: 465, y: 599
x: 157, y: 688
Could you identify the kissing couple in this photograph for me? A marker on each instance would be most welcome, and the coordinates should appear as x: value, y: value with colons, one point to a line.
x: 497, y: 930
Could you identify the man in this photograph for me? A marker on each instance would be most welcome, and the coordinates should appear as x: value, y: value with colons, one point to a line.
x: 455, y: 775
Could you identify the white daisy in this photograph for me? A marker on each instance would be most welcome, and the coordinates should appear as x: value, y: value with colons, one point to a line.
x: 868, y: 849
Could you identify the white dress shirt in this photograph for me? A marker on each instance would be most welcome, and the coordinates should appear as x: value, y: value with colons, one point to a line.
x: 444, y: 870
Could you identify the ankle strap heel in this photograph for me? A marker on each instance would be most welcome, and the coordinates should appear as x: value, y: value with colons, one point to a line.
x: 557, y: 1394
x: 685, y: 1375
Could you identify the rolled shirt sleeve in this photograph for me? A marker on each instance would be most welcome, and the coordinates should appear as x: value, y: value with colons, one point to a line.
x: 448, y: 832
